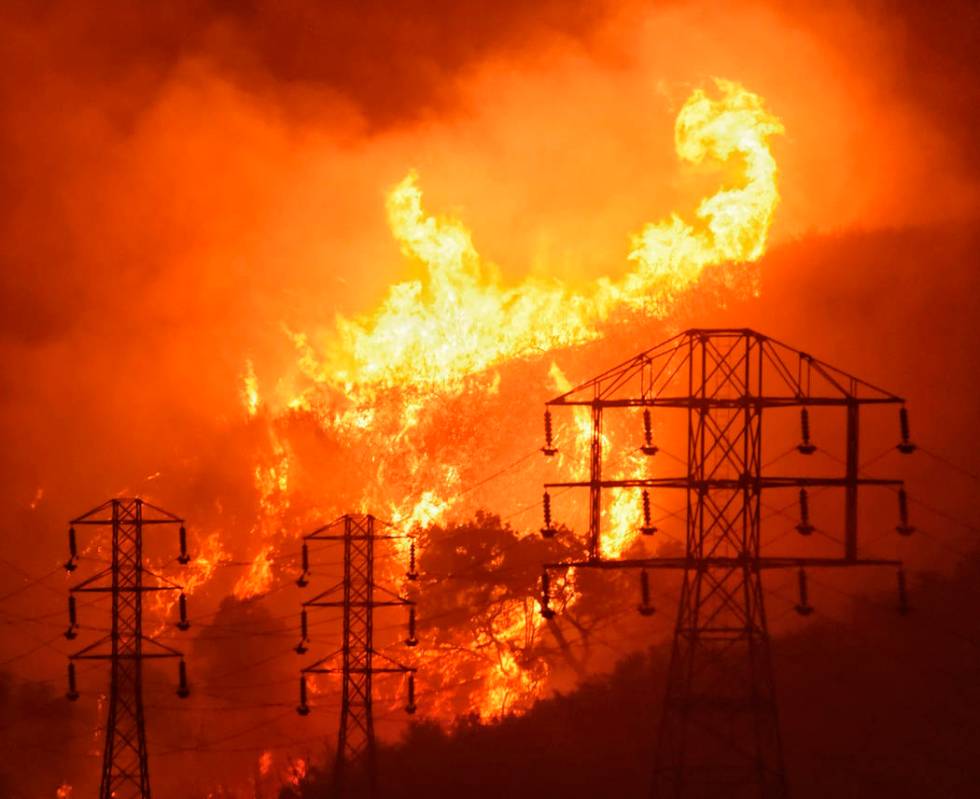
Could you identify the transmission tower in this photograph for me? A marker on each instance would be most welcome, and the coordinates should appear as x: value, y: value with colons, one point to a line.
x: 719, y: 732
x: 358, y: 595
x: 125, y: 774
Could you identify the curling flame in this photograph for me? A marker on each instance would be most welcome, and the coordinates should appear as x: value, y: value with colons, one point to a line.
x: 460, y: 321
x: 734, y: 223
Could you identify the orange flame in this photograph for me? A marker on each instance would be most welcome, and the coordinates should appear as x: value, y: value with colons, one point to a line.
x: 257, y: 580
x: 434, y: 338
x: 297, y: 771
x: 460, y: 321
x: 272, y: 483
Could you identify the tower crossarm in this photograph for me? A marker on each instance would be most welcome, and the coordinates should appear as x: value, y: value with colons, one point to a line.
x: 324, y: 537
x: 721, y: 403
x: 125, y: 769
x: 684, y: 564
x: 150, y: 514
x: 336, y: 530
x: 729, y: 484
x: 658, y: 376
x: 122, y: 589
x: 317, y: 667
x: 358, y: 595
x: 359, y: 604
x: 393, y: 666
x: 719, y: 733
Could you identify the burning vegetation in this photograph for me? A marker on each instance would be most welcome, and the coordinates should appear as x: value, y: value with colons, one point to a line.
x: 256, y: 272
x: 401, y: 393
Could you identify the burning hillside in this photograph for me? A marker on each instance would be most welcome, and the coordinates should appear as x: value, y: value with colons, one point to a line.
x: 403, y: 395
x: 266, y: 264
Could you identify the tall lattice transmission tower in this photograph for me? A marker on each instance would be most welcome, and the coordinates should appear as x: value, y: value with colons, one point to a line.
x: 125, y: 772
x: 719, y: 732
x: 358, y: 595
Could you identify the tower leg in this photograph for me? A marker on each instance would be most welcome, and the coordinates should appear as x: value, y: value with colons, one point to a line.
x: 355, y: 741
x: 719, y: 732
x: 125, y: 773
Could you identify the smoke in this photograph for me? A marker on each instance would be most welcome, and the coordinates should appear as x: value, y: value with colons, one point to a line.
x: 183, y: 184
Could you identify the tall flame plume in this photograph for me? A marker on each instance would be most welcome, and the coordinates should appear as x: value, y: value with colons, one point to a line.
x: 460, y: 321
x: 376, y: 381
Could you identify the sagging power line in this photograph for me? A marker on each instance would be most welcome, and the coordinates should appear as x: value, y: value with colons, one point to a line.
x: 358, y: 595
x: 719, y: 732
x: 125, y: 767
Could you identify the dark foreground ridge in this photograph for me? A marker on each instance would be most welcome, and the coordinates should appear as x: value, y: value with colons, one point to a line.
x: 891, y: 714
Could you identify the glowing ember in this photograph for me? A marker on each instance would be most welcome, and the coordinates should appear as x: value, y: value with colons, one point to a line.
x: 297, y: 771
x: 38, y: 496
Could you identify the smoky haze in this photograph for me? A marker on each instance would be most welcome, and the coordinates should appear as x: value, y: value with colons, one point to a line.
x: 184, y: 186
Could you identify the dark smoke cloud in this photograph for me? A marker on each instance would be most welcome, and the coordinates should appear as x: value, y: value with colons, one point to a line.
x: 394, y: 61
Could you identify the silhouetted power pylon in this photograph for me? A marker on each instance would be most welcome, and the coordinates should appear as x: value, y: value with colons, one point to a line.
x: 125, y: 774
x: 358, y: 595
x: 719, y: 733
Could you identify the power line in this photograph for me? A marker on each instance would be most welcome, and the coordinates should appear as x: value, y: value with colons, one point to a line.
x: 124, y: 764
x: 360, y: 661
x: 719, y: 730
x: 949, y: 463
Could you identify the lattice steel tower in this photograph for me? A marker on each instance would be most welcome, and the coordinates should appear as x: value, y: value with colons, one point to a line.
x: 125, y: 774
x: 719, y: 733
x: 358, y: 595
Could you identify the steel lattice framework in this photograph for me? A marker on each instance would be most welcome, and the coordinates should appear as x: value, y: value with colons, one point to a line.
x: 125, y: 773
x: 358, y: 595
x: 719, y: 733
